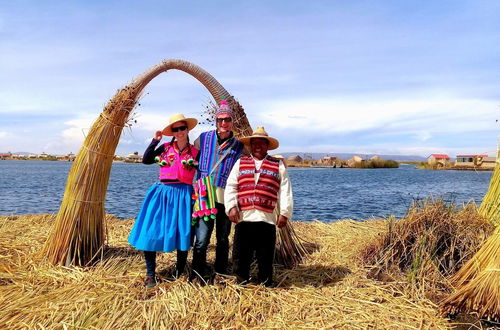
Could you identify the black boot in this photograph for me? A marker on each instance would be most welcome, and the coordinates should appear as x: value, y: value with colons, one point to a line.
x: 221, y: 259
x: 199, y: 263
x: 180, y: 265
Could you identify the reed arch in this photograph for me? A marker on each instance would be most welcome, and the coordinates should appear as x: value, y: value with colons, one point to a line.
x: 78, y: 234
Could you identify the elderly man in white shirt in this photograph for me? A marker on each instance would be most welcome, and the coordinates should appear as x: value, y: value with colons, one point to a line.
x: 258, y: 188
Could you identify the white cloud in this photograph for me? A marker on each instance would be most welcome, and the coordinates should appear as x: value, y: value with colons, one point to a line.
x: 417, y: 126
x: 423, y: 135
x: 3, y: 134
x: 423, y: 117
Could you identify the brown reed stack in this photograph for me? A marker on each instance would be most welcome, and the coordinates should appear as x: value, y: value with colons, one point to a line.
x: 289, y: 248
x: 79, y: 231
x: 478, y: 281
x: 490, y: 207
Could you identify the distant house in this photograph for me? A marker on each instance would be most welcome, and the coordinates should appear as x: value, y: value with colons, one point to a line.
x: 439, y: 159
x: 475, y: 161
x: 133, y: 158
x: 327, y: 161
x: 5, y: 155
x: 468, y: 158
x: 69, y: 157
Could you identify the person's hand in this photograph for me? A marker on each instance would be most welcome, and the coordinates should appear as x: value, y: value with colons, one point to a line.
x: 282, y: 220
x: 234, y: 215
x: 157, y: 136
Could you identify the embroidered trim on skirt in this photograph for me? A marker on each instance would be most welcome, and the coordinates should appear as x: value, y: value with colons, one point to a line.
x: 164, y: 221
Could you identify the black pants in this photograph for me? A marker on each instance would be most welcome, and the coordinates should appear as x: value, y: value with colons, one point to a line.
x: 202, y: 232
x: 150, y: 257
x: 249, y: 238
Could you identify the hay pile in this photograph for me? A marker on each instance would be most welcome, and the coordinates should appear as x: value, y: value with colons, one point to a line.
x: 330, y: 289
x: 428, y: 245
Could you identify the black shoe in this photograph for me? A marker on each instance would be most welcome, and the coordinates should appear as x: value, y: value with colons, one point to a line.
x: 221, y: 270
x: 178, y: 273
x: 150, y: 281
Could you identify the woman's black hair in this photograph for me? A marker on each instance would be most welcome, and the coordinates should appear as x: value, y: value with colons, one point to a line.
x: 172, y: 141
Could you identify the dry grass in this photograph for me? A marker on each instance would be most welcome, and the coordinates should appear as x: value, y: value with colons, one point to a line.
x: 429, y: 245
x: 330, y: 289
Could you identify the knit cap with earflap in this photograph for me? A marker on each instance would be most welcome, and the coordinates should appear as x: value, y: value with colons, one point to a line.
x: 223, y: 109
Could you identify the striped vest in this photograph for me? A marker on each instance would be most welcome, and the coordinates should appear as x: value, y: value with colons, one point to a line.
x: 210, y: 152
x: 262, y: 195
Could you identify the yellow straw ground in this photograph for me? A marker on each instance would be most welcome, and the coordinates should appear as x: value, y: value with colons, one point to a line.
x: 330, y: 289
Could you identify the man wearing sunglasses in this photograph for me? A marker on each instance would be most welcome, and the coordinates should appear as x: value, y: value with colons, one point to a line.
x: 219, y: 151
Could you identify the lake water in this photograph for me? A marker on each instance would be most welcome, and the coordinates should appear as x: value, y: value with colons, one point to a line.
x: 325, y: 194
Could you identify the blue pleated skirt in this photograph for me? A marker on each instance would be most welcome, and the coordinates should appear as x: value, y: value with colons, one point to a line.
x: 164, y: 221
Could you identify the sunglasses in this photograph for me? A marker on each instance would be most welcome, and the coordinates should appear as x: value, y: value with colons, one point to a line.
x: 226, y: 120
x: 179, y: 129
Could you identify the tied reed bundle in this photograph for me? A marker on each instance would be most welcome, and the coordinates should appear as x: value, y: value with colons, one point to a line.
x: 478, y: 281
x: 79, y: 230
x: 490, y: 207
x: 289, y: 248
x: 78, y: 234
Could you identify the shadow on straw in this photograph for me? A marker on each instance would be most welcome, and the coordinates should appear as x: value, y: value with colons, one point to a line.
x: 111, y: 252
x: 315, y: 276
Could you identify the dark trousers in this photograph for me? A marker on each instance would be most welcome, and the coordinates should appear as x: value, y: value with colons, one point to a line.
x: 249, y: 238
x: 202, y: 232
x: 150, y: 257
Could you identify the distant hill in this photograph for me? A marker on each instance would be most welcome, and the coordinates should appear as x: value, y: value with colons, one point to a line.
x: 319, y: 155
x: 23, y: 153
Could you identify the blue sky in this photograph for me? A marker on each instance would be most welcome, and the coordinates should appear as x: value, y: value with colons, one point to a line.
x: 388, y: 77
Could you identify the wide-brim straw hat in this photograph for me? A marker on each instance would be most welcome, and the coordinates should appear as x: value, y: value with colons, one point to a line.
x: 190, y: 122
x: 260, y: 132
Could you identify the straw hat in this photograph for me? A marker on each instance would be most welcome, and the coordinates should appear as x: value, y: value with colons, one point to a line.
x: 260, y: 132
x: 190, y: 122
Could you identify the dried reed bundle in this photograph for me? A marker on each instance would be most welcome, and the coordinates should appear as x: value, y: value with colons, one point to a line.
x: 430, y: 243
x: 330, y: 289
x: 289, y: 248
x: 477, y: 282
x: 490, y: 206
x: 79, y: 231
